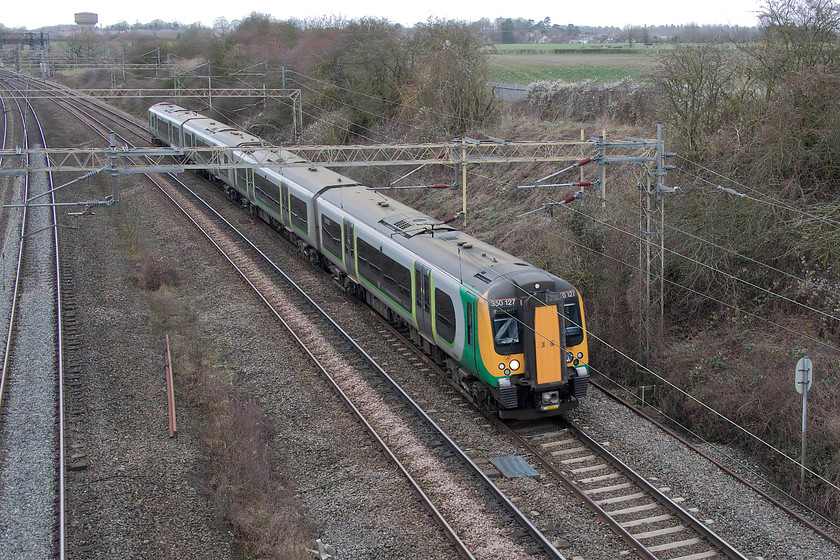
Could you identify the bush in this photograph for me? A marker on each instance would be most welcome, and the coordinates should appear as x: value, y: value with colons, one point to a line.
x: 624, y: 101
x: 156, y: 272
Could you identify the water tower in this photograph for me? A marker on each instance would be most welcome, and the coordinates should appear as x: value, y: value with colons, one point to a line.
x: 86, y: 21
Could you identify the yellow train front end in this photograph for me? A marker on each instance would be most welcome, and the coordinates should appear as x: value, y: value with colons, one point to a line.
x: 533, y: 349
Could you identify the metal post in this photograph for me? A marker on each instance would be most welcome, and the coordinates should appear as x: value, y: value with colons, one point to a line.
x: 209, y: 87
x: 582, y: 152
x: 603, y: 175
x: 804, y: 425
x: 802, y: 382
x: 464, y: 180
x: 660, y: 190
x: 114, y: 186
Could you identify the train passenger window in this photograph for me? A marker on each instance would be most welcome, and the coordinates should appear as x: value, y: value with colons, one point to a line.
x: 574, y: 327
x: 267, y: 192
x: 331, y: 236
x: 298, y: 209
x: 389, y: 276
x: 506, y: 331
x: 367, y: 262
x: 444, y: 316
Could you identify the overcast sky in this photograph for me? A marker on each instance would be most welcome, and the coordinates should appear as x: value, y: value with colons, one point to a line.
x: 618, y: 13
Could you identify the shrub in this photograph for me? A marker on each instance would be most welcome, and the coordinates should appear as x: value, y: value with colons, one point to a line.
x: 156, y: 272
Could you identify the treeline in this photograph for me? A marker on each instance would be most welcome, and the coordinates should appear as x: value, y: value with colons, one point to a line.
x: 511, y: 30
x: 353, y: 74
x: 519, y: 30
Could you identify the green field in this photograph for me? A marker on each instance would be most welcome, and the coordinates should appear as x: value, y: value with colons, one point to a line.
x: 523, y: 64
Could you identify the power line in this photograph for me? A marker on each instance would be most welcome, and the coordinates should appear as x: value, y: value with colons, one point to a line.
x: 710, y: 267
x: 676, y: 422
x: 731, y: 251
x: 681, y: 391
x: 762, y: 200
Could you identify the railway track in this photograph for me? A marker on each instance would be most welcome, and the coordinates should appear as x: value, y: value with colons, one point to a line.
x: 32, y: 460
x: 438, y: 470
x: 542, y: 444
x: 637, y: 510
x: 436, y: 486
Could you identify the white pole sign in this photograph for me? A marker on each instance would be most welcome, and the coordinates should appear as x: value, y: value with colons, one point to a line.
x: 804, y: 379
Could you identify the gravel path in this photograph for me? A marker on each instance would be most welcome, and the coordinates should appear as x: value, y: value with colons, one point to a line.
x: 28, y: 459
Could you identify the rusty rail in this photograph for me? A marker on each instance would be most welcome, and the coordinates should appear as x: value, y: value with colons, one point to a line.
x: 170, y: 392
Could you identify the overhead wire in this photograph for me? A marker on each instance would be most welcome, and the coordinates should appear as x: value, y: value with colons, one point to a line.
x: 710, y: 267
x: 681, y: 391
x: 764, y: 198
x: 638, y: 364
x: 674, y: 386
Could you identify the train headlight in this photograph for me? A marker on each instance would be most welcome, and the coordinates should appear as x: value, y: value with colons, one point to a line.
x: 514, y: 365
x: 502, y: 365
x: 580, y: 355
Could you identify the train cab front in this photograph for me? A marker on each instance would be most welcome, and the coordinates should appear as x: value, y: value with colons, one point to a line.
x: 539, y: 340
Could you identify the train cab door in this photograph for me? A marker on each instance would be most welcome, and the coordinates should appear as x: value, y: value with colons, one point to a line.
x: 423, y: 299
x: 544, y: 342
x: 349, y: 248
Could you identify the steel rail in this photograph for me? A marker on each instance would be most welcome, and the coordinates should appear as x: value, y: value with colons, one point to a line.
x: 459, y: 545
x: 702, y: 529
x: 439, y: 518
x: 567, y: 483
x: 523, y: 520
x: 776, y: 502
x: 59, y: 336
x: 15, y: 289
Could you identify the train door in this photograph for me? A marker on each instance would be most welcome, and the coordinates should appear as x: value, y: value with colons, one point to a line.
x: 249, y: 183
x: 286, y: 216
x: 349, y: 248
x: 544, y: 342
x: 423, y: 298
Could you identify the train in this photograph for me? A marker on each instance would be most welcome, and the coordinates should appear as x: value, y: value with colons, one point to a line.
x: 511, y: 337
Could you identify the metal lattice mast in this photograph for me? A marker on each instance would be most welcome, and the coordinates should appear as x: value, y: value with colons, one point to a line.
x: 653, y: 252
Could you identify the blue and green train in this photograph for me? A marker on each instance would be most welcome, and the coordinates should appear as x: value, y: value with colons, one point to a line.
x: 511, y: 337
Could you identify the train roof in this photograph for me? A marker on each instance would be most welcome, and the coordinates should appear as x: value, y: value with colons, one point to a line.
x: 473, y: 262
x: 211, y: 129
x: 313, y: 179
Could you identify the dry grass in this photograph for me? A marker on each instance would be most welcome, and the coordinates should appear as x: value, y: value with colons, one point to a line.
x: 156, y: 272
x: 241, y: 474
